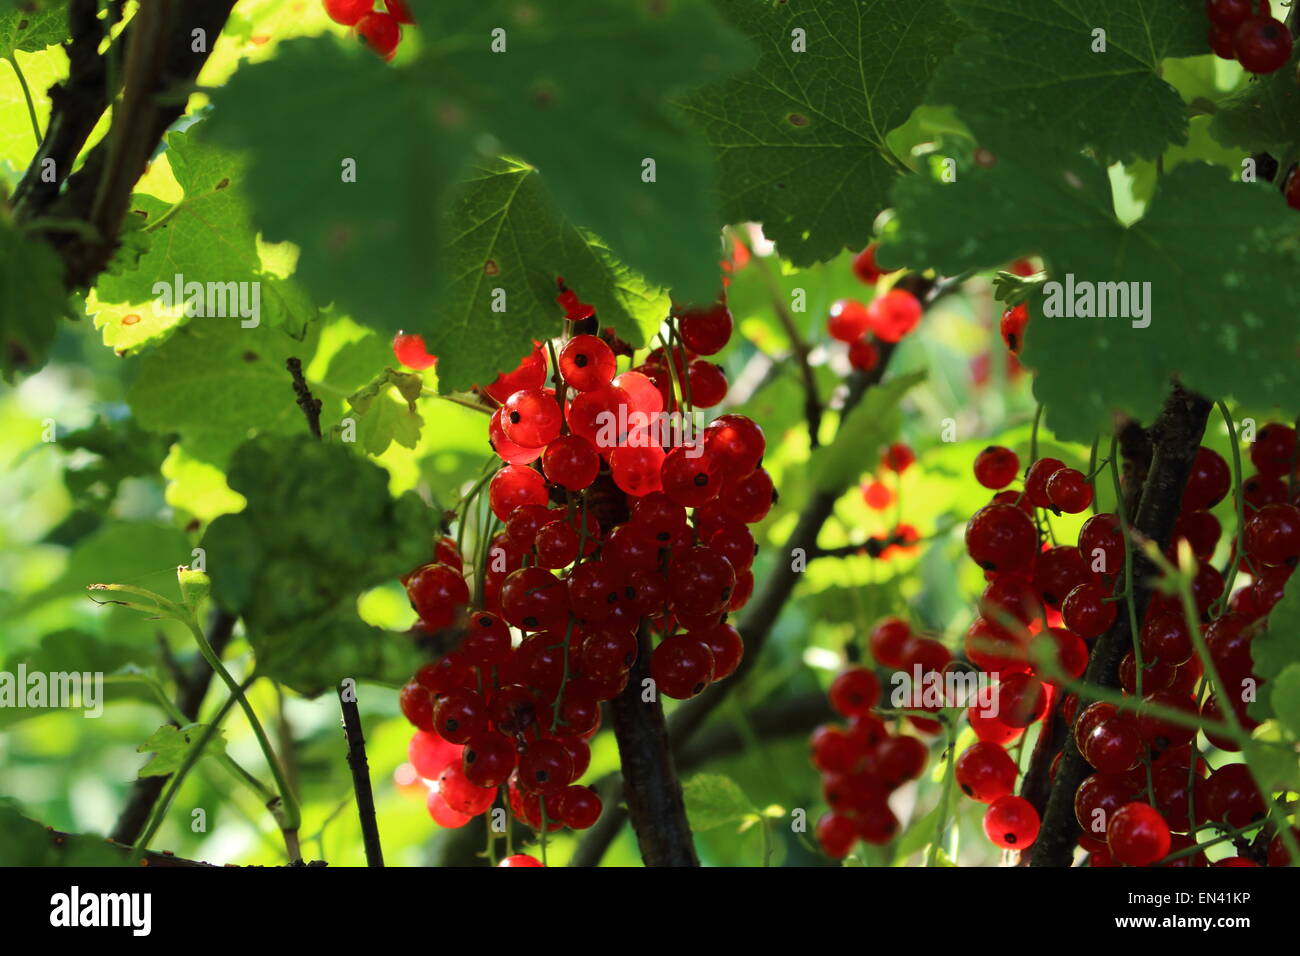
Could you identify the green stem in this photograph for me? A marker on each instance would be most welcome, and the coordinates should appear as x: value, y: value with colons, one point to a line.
x: 945, y: 798
x: 1231, y: 574
x: 27, y: 95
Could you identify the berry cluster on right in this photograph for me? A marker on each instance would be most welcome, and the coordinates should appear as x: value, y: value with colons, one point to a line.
x: 1246, y: 31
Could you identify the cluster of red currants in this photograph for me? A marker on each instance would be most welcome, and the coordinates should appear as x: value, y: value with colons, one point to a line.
x: 377, y: 29
x: 887, y: 318
x: 861, y: 762
x: 1246, y: 31
x: 1149, y: 791
x: 607, y: 536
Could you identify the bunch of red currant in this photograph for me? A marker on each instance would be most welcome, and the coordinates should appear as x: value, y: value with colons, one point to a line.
x: 861, y: 762
x: 379, y: 30
x: 613, y: 527
x: 1246, y: 31
x: 887, y: 318
x: 1149, y: 792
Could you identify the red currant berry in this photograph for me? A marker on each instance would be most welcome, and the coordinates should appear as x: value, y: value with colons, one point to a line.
x: 848, y: 321
x: 521, y: 859
x: 1273, y: 450
x: 534, y: 599
x: 1112, y: 746
x: 996, y: 467
x: 1262, y: 44
x: 894, y: 314
x: 706, y: 383
x: 1036, y: 480
x: 690, y: 477
x: 682, y: 667
x: 1068, y: 490
x: 1273, y: 535
x: 1013, y: 325
x: 886, y: 641
x: 443, y: 815
x: 863, y: 355
x: 1137, y: 835
x: 705, y: 331
x: 1086, y: 611
x: 578, y: 807
x: 985, y: 772
x: 437, y: 593
x: 417, y: 705
x: 587, y: 363
x: 381, y: 32
x: 530, y: 373
x: 348, y: 12
x: 545, y: 767
x: 1011, y: 822
x: 513, y: 486
x: 897, y: 458
x: 864, y: 265
x: 1208, y: 482
x: 1001, y: 538
x: 836, y: 834
x: 1230, y: 14
x: 430, y: 754
x: 408, y: 348
x: 736, y: 442
x: 854, y: 692
x: 725, y: 642
x: 1101, y: 544
x: 488, y: 759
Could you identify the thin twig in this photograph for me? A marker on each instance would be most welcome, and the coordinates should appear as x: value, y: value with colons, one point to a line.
x: 360, y: 768
x: 311, y: 407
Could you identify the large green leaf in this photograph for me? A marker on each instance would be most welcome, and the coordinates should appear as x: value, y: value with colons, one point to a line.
x: 801, y: 137
x: 43, y: 24
x: 1039, y: 63
x: 206, y: 237
x: 32, y: 300
x: 1218, y: 319
x: 319, y: 528
x: 170, y: 746
x: 512, y: 239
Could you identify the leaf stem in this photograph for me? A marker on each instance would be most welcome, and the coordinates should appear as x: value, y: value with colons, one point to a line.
x: 27, y: 95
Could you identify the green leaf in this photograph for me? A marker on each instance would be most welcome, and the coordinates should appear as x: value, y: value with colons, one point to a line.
x: 801, y: 138
x: 512, y: 239
x: 319, y: 529
x: 1034, y: 62
x: 120, y: 450
x: 32, y: 300
x: 27, y: 843
x: 214, y: 382
x: 34, y: 28
x: 599, y: 76
x: 171, y: 745
x: 206, y: 237
x: 714, y: 800
x: 1275, y: 650
x: 868, y: 427
x: 1263, y: 116
x: 371, y: 245
x: 383, y: 419
x: 1217, y: 319
x: 1284, y: 692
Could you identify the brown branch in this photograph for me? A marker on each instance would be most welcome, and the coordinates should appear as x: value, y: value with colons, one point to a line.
x: 650, y: 786
x: 158, y: 72
x: 190, y: 692
x: 157, y: 858
x: 812, y: 404
x: 1175, y: 437
x: 360, y: 768
x: 311, y: 407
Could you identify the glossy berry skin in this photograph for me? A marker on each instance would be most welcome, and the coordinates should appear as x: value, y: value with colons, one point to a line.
x: 681, y: 667
x: 886, y: 641
x: 570, y: 462
x: 1001, y: 538
x: 899, y: 759
x: 1011, y: 822
x: 381, y: 32
x: 487, y: 639
x: 443, y: 815
x: 1021, y: 699
x: 1273, y: 450
x: 894, y: 314
x: 996, y: 467
x: 836, y: 834
x: 748, y: 499
x: 417, y: 705
x: 1068, y: 490
x: 1058, y: 572
x: 863, y: 355
x: 545, y: 767
x: 736, y: 442
x: 1160, y: 734
x: 864, y: 265
x: 488, y: 759
x: 690, y: 477
x: 707, y: 383
x: 735, y: 542
x: 508, y: 451
x: 705, y: 331
x: 854, y: 692
x: 530, y: 373
x: 643, y: 395
x: 521, y: 859
x: 459, y: 715
x: 1137, y: 835
x: 848, y: 321
x: 1273, y: 535
x: 408, y: 348
x: 436, y: 592
x: 513, y: 486
x: 660, y: 517
x: 727, y: 647
x: 577, y: 807
x: 985, y: 772
x: 1101, y: 544
x: 557, y: 545
x: 587, y: 363
x: 1012, y: 327
x: 348, y: 12
x: 1231, y: 796
x: 534, y: 599
x: 1262, y: 44
x: 1086, y: 611
x: 1036, y: 480
x: 531, y: 417
x: 1112, y: 746
x: 429, y: 754
x: 1208, y: 482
